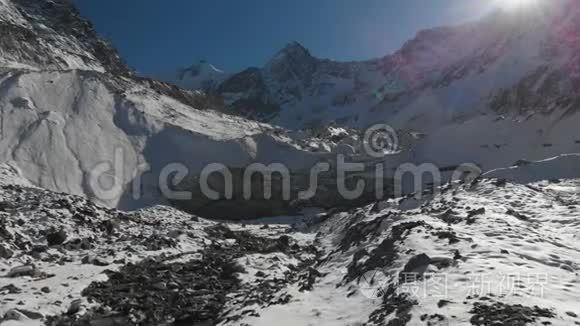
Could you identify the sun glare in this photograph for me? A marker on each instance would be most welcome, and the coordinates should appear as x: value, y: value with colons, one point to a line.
x: 516, y: 4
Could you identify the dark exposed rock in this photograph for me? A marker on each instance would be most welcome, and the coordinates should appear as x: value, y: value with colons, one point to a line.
x: 16, y: 315
x: 308, y: 281
x: 94, y: 260
x: 25, y: 270
x: 476, y: 212
x: 442, y: 262
x: 500, y: 182
x: 11, y: 289
x: 501, y: 314
x: 56, y: 27
x: 395, y: 303
x: 447, y: 234
x: 385, y: 253
x: 443, y: 303
x: 518, y: 215
x: 56, y: 238
x: 5, y: 253
x: 5, y: 206
x: 417, y: 266
x: 140, y: 291
x: 157, y: 291
x: 450, y: 217
x: 358, y: 232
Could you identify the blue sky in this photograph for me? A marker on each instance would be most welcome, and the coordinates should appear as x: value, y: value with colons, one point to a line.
x: 155, y: 35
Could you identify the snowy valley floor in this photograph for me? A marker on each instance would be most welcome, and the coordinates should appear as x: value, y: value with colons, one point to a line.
x: 487, y: 253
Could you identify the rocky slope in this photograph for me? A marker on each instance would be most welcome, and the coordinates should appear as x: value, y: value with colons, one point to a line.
x: 50, y: 34
x: 489, y: 252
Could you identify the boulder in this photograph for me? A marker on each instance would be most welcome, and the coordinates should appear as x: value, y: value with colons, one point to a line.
x: 25, y: 270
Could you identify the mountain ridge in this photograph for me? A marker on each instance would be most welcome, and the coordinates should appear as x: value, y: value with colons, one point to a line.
x: 51, y: 34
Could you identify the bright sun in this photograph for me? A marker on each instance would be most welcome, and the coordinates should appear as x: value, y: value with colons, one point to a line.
x: 515, y: 4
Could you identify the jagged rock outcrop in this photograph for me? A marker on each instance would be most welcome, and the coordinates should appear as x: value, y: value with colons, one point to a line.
x: 51, y: 34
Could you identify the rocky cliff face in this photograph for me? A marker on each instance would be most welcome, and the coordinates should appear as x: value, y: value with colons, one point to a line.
x: 50, y: 34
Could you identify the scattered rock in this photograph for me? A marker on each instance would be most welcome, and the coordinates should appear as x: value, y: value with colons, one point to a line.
x: 30, y: 314
x: 16, y: 315
x: 74, y: 307
x: 518, y: 215
x: 450, y: 217
x: 93, y: 260
x: 448, y: 234
x: 161, y: 286
x: 56, y: 238
x: 5, y: 253
x: 309, y: 280
x: 443, y: 303
x: 416, y: 266
x: 25, y: 270
x: 442, y: 262
x: 502, y: 314
x: 475, y: 212
x: 384, y: 254
x: 500, y: 182
x: 5, y: 206
x: 10, y: 289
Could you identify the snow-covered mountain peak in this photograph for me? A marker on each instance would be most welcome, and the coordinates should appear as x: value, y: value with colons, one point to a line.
x: 200, y: 76
x: 292, y: 51
x: 293, y: 64
x: 484, y: 56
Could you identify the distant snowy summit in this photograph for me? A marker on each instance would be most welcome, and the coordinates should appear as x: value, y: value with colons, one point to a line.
x: 503, y: 63
x: 200, y: 76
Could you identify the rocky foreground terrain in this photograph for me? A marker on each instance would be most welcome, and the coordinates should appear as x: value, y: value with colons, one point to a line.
x: 490, y: 252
